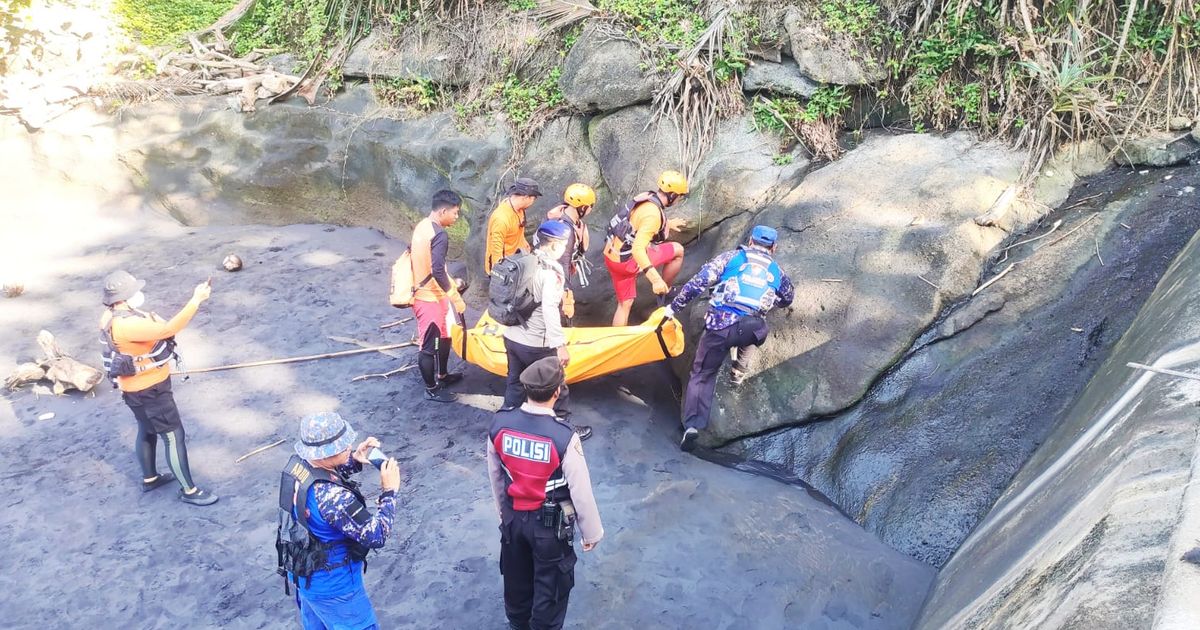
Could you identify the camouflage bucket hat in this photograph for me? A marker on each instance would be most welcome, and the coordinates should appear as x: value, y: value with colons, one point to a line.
x: 324, y: 435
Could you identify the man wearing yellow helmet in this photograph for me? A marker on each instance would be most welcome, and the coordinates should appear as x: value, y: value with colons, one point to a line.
x: 578, y: 200
x: 637, y: 243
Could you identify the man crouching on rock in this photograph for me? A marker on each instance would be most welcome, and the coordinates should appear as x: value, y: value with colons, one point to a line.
x: 325, y: 530
x: 542, y: 487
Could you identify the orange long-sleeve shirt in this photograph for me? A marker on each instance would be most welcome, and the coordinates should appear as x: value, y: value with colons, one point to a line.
x: 647, y: 221
x: 505, y: 234
x: 137, y: 335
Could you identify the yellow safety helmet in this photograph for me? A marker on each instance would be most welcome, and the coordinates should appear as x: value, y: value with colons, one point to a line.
x: 673, y: 182
x: 579, y: 195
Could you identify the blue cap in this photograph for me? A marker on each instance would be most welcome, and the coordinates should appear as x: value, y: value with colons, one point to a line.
x: 553, y: 229
x: 324, y: 435
x: 764, y: 235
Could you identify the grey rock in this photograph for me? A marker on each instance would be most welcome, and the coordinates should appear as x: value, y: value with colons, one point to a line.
x: 603, y: 73
x: 929, y: 450
x: 828, y: 57
x: 1180, y: 123
x: 1158, y: 149
x: 430, y: 57
x: 780, y: 78
x: 1196, y: 132
x: 892, y: 209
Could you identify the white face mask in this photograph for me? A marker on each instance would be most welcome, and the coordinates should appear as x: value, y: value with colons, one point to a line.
x: 137, y: 300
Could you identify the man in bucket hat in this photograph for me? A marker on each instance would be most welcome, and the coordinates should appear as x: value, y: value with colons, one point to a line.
x: 146, y: 344
x: 505, y: 234
x: 325, y: 530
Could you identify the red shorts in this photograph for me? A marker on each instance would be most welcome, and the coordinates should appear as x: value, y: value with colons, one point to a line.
x: 431, y: 314
x: 625, y: 274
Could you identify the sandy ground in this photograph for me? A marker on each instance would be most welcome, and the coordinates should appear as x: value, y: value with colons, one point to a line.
x: 689, y: 543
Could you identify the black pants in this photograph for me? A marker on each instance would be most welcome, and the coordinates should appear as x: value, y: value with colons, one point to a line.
x: 521, y: 356
x: 714, y: 345
x: 539, y: 572
x: 156, y: 414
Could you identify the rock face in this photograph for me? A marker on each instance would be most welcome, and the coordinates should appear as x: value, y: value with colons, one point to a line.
x: 428, y: 57
x: 937, y: 439
x: 1092, y: 530
x: 603, y: 73
x: 828, y: 57
x: 855, y: 236
x: 289, y: 163
x: 1161, y: 149
x: 781, y: 78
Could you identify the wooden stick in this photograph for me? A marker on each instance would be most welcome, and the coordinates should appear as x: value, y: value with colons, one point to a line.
x: 832, y: 280
x: 1054, y: 227
x: 259, y: 450
x: 367, y: 344
x: 997, y: 277
x: 928, y: 282
x: 396, y: 323
x: 1158, y: 370
x: 1098, y: 256
x: 385, y: 374
x: 1072, y: 230
x: 312, y: 357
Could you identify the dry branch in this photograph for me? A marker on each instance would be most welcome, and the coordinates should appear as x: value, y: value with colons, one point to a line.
x: 384, y: 375
x: 259, y: 450
x: 311, y: 357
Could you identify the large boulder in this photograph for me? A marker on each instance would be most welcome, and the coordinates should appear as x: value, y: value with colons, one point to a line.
x: 781, y: 78
x: 858, y: 236
x: 290, y: 163
x: 429, y: 57
x: 1157, y: 149
x: 604, y: 72
x: 828, y: 57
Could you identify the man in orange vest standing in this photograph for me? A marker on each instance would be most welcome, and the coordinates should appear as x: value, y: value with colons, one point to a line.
x: 637, y: 243
x: 506, y: 225
x: 435, y: 293
x: 140, y: 347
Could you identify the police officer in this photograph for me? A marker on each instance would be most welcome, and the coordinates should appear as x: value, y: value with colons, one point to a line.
x: 542, y: 488
x: 325, y: 530
x: 746, y: 282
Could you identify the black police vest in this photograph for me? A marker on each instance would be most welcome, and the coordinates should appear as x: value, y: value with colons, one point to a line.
x: 299, y: 552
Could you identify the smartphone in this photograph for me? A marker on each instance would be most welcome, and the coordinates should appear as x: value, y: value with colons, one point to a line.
x: 376, y: 457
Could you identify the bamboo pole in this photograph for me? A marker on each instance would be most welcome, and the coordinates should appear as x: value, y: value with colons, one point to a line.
x: 312, y: 357
x: 1158, y: 370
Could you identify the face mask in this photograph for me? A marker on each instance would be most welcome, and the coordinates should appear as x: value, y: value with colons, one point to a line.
x: 137, y: 300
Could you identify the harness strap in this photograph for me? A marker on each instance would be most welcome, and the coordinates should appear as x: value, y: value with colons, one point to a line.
x: 662, y: 343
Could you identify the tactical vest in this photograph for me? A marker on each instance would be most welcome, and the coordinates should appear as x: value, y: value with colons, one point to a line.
x: 531, y: 447
x: 300, y: 553
x: 749, y: 284
x: 620, y: 227
x: 117, y: 363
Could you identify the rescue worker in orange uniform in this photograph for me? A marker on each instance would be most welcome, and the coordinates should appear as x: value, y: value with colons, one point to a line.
x: 637, y: 243
x: 436, y: 293
x: 578, y: 201
x: 145, y: 341
x: 506, y: 225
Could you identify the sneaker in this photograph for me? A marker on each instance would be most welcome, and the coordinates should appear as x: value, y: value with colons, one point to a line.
x: 437, y: 394
x: 450, y: 379
x: 688, y: 444
x: 199, y: 497
x: 161, y: 480
x: 583, y: 431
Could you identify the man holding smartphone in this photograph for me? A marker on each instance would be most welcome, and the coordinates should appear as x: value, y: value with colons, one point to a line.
x: 325, y: 530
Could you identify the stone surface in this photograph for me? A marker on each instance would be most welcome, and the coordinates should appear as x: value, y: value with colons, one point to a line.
x: 289, y: 163
x: 828, y: 57
x: 1091, y: 532
x: 854, y: 237
x: 428, y: 57
x: 603, y: 72
x: 781, y: 78
x: 1159, y: 149
x: 937, y: 439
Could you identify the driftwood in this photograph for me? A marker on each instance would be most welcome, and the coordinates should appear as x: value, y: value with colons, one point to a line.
x: 384, y: 375
x: 258, y: 450
x: 311, y: 357
x: 56, y: 366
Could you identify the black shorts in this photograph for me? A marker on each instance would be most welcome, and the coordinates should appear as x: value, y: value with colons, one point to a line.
x: 154, y: 408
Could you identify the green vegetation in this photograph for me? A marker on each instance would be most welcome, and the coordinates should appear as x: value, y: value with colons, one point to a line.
x: 814, y: 124
x: 674, y: 24
x: 158, y: 22
x: 298, y: 26
x: 421, y: 94
x: 521, y: 5
x: 12, y: 36
x: 522, y: 101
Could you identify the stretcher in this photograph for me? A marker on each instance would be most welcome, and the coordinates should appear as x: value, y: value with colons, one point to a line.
x: 593, y: 351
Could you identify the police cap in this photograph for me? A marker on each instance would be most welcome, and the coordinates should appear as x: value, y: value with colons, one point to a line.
x: 544, y: 374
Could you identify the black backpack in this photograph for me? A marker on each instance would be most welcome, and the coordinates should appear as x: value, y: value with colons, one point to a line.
x: 513, y: 295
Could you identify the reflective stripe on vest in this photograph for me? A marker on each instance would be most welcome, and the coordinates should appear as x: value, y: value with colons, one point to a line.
x: 749, y: 284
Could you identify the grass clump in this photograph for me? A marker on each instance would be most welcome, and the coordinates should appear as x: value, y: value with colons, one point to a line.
x: 814, y: 124
x: 420, y: 94
x: 164, y: 22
